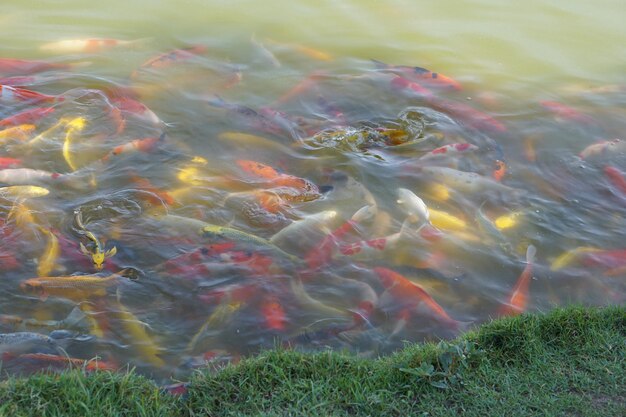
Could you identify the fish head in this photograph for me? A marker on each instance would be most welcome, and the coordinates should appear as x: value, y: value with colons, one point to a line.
x: 33, y: 287
x: 98, y: 260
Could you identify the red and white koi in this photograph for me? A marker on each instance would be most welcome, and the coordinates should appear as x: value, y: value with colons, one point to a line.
x: 10, y: 163
x: 12, y: 94
x: 138, y: 145
x: 26, y: 176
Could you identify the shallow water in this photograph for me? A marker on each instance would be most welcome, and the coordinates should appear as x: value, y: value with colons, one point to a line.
x: 347, y: 139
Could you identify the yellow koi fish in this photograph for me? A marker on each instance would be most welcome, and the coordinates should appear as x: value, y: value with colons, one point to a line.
x: 567, y: 258
x: 48, y: 261
x: 23, y: 191
x: 21, y: 133
x: 97, y: 253
x: 137, y: 335
x: 74, y: 287
x: 74, y: 125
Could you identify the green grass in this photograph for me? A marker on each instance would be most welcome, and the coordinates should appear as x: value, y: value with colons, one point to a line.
x: 570, y: 362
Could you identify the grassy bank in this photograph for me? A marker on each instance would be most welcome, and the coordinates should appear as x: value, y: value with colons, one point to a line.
x: 568, y: 362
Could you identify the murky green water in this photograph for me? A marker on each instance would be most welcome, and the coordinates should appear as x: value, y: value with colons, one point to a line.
x: 186, y: 204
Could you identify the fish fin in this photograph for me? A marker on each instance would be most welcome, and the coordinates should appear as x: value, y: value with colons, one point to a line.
x: 111, y: 252
x: 531, y: 251
x: 43, y: 297
x: 84, y: 250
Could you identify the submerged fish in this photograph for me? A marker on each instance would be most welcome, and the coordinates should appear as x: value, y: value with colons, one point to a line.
x: 74, y: 287
x: 518, y: 301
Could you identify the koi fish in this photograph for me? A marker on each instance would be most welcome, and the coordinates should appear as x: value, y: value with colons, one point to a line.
x: 466, y: 114
x: 27, y: 116
x: 453, y: 150
x: 469, y: 182
x: 420, y: 74
x: 10, y: 66
x: 222, y: 314
x: 44, y: 360
x: 321, y: 254
x: 446, y: 221
x: 74, y: 125
x: 404, y: 85
x: 9, y: 163
x: 12, y: 94
x: 20, y: 132
x: 304, y: 86
x: 226, y: 233
x: 529, y: 148
x: 22, y: 341
x: 413, y: 206
x: 611, y: 259
x: 616, y: 177
x: 507, y: 221
x: 23, y: 191
x: 307, y: 191
x: 90, y: 45
x: 169, y: 58
x: 518, y: 302
x: 48, y: 260
x: 26, y: 176
x: 305, y: 50
x: 407, y: 295
x: 125, y: 105
x: 74, y: 287
x: 370, y: 247
x: 566, y: 258
x: 273, y: 313
x: 138, y: 145
x: 294, y: 232
x: 97, y: 253
x: 18, y: 81
x: 158, y: 196
x: 266, y: 53
x: 565, y: 112
x: 8, y: 262
x: 137, y: 336
x: 603, y: 147
x: 499, y: 171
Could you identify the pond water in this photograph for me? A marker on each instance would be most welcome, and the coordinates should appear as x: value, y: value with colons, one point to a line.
x: 206, y: 179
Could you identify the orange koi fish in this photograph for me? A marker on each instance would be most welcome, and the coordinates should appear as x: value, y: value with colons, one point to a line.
x: 305, y: 50
x: 420, y: 74
x: 518, y: 302
x: 454, y: 149
x: 408, y: 294
x: 614, y: 260
x: 9, y: 66
x: 27, y: 117
x: 21, y: 133
x: 616, y: 177
x: 273, y: 314
x: 499, y: 171
x: 159, y: 196
x: 169, y: 58
x: 565, y: 112
x: 307, y: 190
x: 304, y: 86
x: 10, y: 94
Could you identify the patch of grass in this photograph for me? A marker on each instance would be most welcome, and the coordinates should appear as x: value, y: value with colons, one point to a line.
x: 568, y: 362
